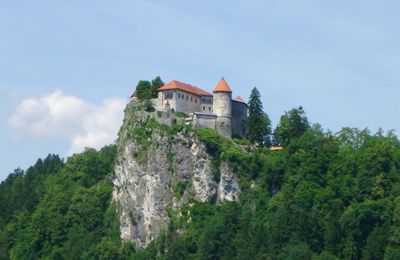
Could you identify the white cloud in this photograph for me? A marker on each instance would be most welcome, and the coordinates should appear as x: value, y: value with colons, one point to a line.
x: 83, y: 123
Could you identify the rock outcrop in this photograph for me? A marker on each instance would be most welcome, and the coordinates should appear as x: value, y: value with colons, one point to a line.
x: 157, y: 170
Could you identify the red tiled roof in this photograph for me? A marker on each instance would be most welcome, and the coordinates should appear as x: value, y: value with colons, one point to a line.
x: 239, y: 98
x: 222, y: 86
x: 184, y: 87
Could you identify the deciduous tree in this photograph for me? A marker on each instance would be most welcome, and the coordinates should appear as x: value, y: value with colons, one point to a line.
x: 291, y: 125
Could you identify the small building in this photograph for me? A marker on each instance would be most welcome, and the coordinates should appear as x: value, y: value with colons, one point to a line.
x: 184, y: 98
x: 217, y: 110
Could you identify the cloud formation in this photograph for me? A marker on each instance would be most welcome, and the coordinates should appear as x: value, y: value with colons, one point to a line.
x: 82, y: 123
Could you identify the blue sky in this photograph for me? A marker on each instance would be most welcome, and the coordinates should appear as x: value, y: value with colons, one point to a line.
x: 68, y: 67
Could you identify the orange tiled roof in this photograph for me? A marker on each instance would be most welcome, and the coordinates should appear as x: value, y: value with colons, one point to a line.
x: 222, y: 86
x: 184, y: 87
x: 276, y: 148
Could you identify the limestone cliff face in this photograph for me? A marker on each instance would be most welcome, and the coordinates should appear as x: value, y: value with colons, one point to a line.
x: 157, y: 171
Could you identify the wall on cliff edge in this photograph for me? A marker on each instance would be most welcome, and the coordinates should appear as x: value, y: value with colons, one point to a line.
x: 158, y: 170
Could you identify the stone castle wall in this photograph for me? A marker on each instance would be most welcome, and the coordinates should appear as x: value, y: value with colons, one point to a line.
x: 219, y: 112
x: 223, y: 110
x: 222, y: 104
x: 204, y: 121
x: 239, y: 114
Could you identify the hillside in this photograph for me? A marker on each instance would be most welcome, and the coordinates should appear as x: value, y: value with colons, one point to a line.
x: 178, y: 193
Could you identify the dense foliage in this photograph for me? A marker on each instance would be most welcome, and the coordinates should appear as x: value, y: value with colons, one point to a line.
x: 58, y: 210
x: 292, y: 125
x: 325, y: 196
x: 146, y: 90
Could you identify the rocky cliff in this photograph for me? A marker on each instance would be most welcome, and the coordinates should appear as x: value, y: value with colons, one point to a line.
x: 158, y: 170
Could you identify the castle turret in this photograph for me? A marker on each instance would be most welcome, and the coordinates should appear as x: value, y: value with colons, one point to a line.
x: 222, y: 107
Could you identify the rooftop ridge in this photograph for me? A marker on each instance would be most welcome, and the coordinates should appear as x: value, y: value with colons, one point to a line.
x: 174, y: 84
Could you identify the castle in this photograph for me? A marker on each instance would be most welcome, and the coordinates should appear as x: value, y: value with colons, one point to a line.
x: 205, y: 110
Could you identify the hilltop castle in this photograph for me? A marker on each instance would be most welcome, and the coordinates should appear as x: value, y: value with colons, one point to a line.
x: 218, y: 110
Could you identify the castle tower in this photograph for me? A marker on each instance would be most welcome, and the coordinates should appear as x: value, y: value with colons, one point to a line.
x: 222, y: 106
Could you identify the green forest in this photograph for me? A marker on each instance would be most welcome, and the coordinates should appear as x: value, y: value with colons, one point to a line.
x: 324, y: 196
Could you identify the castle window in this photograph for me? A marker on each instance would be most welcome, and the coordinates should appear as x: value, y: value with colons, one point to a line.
x: 209, y: 109
x: 179, y: 95
x: 204, y: 108
x: 195, y: 100
x: 169, y: 95
x: 206, y: 100
x: 187, y: 97
x: 191, y: 99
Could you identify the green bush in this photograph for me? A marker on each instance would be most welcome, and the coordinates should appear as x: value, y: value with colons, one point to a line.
x: 181, y: 187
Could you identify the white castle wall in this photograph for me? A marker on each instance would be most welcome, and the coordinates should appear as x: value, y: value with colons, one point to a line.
x: 206, y: 105
x: 184, y: 102
x: 219, y: 112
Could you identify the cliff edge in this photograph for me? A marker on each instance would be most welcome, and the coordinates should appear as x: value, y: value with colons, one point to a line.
x: 159, y: 169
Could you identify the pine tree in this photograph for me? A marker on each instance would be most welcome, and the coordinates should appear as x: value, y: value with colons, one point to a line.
x: 258, y: 123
